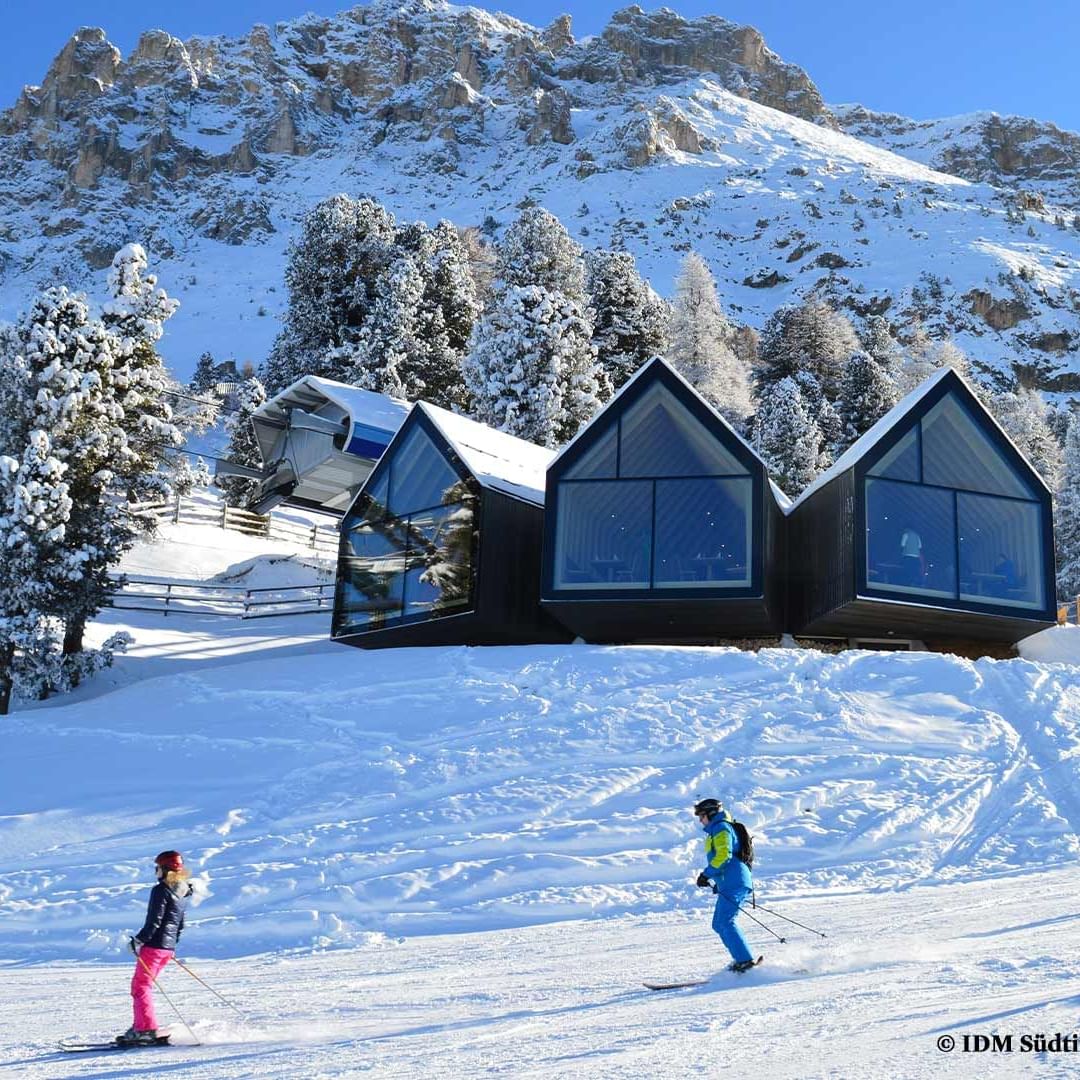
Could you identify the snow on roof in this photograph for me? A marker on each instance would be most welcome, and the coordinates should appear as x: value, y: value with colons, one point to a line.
x: 866, y: 442
x: 363, y: 406
x: 497, y: 460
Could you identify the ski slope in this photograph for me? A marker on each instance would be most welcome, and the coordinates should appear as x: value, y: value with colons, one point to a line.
x: 460, y: 862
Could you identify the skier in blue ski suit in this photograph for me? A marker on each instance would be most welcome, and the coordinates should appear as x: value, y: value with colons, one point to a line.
x: 728, y: 875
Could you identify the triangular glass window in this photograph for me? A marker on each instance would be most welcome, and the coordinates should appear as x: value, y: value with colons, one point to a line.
x: 600, y: 460
x: 661, y: 437
x: 420, y: 477
x: 900, y: 461
x: 958, y: 453
x: 375, y: 505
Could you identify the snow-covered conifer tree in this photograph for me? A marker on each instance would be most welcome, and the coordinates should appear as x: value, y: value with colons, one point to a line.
x: 243, y: 446
x: 629, y: 320
x: 878, y: 341
x: 344, y: 247
x: 700, y: 343
x: 809, y: 337
x: 1024, y: 416
x: 205, y: 377
x: 1067, y: 515
x: 388, y: 356
x: 537, y: 250
x: 787, y: 437
x: 531, y: 370
x: 867, y: 393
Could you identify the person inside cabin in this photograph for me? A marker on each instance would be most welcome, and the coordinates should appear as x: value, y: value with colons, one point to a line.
x: 911, y: 558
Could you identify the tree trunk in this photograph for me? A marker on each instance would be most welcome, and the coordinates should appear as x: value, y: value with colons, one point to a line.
x: 73, y: 635
x: 7, y: 657
x: 73, y: 641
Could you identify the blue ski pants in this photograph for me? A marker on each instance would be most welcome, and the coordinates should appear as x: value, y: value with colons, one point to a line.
x: 730, y: 897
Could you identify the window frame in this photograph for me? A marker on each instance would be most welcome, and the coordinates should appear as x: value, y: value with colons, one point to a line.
x: 340, y: 626
x: 863, y: 471
x: 754, y: 474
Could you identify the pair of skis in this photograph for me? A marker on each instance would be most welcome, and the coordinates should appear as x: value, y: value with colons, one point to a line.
x: 71, y: 1047
x: 689, y: 982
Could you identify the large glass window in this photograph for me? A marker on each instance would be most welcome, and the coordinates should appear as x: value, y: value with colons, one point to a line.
x: 953, y: 519
x: 1000, y: 551
x: 910, y: 539
x: 676, y: 512
x: 603, y: 538
x: 409, y: 546
x: 702, y: 533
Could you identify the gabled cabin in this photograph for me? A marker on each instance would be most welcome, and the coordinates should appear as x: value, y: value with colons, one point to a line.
x: 662, y: 524
x: 319, y: 440
x: 932, y: 527
x: 442, y: 544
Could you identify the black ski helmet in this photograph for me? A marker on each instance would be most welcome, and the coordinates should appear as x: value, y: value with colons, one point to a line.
x: 707, y: 806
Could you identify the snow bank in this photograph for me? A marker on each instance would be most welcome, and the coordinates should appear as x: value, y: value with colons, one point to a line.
x: 1057, y: 645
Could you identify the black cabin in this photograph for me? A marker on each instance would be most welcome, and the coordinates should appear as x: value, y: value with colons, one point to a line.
x: 662, y: 524
x: 932, y: 527
x: 442, y: 544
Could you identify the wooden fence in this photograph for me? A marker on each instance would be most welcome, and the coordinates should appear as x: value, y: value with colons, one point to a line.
x: 170, y: 597
x: 1069, y: 611
x: 322, y: 539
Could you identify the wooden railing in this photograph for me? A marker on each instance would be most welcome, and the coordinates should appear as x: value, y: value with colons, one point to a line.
x: 1069, y: 610
x: 179, y: 510
x: 170, y: 597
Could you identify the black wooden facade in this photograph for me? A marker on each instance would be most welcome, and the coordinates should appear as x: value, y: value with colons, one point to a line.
x: 483, y: 537
x: 932, y: 527
x: 662, y: 525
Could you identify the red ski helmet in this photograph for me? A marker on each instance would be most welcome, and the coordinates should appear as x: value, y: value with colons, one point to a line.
x: 170, y: 860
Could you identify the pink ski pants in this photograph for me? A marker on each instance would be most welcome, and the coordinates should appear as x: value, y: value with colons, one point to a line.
x: 149, y: 962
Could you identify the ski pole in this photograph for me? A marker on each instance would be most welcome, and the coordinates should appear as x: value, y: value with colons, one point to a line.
x: 761, y: 907
x: 157, y: 986
x: 782, y: 940
x: 220, y: 997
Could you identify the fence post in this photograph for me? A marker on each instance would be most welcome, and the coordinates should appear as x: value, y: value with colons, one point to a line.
x: 314, y: 537
x: 247, y: 602
x: 224, y: 514
x: 168, y: 593
x: 176, y: 513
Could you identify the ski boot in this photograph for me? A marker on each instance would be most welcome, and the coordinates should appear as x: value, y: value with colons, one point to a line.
x: 131, y: 1037
x: 743, y: 965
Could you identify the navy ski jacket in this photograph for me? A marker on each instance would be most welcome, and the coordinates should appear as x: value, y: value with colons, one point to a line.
x: 164, y: 916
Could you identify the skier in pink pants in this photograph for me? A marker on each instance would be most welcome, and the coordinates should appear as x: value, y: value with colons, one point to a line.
x: 155, y: 944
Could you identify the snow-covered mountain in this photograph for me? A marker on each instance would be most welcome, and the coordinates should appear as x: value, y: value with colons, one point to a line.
x: 660, y: 134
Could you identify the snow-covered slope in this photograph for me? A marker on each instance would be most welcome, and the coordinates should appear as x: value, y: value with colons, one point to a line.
x: 661, y: 134
x: 325, y: 796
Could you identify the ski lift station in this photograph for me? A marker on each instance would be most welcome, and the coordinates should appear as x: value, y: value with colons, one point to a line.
x: 319, y: 440
x: 659, y: 523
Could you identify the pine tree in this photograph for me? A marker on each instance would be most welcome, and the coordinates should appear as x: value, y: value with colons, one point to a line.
x: 808, y: 337
x: 344, y: 247
x: 389, y: 355
x: 205, y: 377
x: 537, y: 250
x: 243, y: 446
x: 531, y: 370
x: 700, y: 343
x: 787, y: 437
x: 883, y: 348
x: 630, y: 320
x: 1024, y: 417
x: 118, y: 456
x: 867, y: 393
x: 1067, y: 515
x: 926, y: 356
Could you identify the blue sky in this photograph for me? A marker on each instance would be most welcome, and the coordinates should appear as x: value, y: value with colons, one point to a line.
x: 920, y: 59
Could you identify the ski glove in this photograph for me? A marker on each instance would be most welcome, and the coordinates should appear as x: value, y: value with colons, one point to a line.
x: 136, y: 945
x: 703, y: 881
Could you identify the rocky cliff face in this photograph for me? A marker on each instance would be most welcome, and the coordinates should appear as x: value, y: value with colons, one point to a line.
x: 1010, y: 151
x: 660, y: 134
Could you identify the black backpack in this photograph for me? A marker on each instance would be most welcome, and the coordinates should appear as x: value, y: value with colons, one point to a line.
x: 746, y: 843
